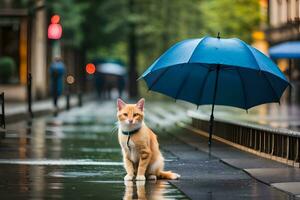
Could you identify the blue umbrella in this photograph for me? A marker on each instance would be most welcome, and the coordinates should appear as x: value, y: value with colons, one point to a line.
x: 216, y: 71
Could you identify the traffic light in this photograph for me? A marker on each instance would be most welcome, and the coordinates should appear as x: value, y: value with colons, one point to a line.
x: 55, y: 29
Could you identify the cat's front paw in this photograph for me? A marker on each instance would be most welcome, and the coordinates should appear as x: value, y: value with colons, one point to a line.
x: 140, y: 178
x: 128, y: 177
x: 152, y: 177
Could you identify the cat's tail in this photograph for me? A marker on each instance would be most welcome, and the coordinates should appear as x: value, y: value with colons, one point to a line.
x: 168, y: 175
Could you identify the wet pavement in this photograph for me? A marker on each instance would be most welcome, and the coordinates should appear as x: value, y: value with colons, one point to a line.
x: 73, y: 156
x: 76, y: 156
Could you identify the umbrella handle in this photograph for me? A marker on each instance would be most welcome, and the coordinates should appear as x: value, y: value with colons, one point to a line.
x: 211, y: 124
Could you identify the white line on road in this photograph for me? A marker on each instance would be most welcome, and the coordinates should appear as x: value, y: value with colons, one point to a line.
x: 58, y: 162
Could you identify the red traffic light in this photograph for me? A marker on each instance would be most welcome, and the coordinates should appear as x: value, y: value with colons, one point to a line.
x: 90, y: 68
x: 55, y: 19
x: 55, y: 29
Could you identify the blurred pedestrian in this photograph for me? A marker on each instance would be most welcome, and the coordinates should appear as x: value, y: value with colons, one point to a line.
x: 57, y: 71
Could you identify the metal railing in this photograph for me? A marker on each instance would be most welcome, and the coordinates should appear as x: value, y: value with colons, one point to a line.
x: 281, y: 145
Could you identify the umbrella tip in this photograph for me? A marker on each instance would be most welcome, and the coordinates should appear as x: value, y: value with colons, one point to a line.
x: 218, y: 35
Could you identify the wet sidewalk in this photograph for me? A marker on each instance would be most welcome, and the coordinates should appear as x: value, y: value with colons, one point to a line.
x: 15, y: 111
x: 206, y: 168
x: 73, y: 156
x: 267, y: 173
x: 76, y: 156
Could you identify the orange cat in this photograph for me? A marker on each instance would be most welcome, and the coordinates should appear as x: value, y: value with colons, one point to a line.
x: 140, y: 148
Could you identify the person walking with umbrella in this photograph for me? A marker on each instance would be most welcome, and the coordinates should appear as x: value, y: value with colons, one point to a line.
x: 57, y: 71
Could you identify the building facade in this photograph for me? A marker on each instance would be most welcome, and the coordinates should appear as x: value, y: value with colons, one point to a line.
x: 284, y: 28
x: 283, y: 20
x: 23, y: 48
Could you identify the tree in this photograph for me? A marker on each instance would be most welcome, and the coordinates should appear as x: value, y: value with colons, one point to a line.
x: 72, y: 19
x: 142, y: 30
x: 138, y: 32
x: 233, y: 18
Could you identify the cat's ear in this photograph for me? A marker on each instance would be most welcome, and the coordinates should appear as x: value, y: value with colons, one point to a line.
x: 120, y: 104
x: 140, y: 104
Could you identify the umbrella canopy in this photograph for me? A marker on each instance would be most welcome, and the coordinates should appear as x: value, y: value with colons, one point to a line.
x: 216, y: 71
x: 111, y: 68
x: 286, y: 50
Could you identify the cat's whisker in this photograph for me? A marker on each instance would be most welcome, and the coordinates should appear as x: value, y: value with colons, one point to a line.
x: 115, y: 128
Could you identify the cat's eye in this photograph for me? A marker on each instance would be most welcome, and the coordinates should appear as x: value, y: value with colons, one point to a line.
x: 125, y: 114
x: 135, y: 114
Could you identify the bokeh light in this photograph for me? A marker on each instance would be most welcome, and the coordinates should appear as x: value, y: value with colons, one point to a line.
x: 90, y: 68
x: 55, y: 19
x: 54, y: 31
x: 70, y: 79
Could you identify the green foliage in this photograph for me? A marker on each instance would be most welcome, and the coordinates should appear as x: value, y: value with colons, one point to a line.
x: 7, y: 68
x: 161, y: 23
x: 101, y: 27
x: 72, y: 18
x: 164, y: 22
x: 233, y: 18
x: 106, y: 29
x: 158, y: 24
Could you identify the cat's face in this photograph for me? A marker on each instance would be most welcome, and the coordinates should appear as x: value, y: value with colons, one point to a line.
x: 130, y: 116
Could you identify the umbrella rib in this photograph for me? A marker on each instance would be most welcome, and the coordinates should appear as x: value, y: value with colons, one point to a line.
x: 261, y: 71
x: 157, y: 79
x: 197, y: 47
x: 251, y: 53
x: 243, y: 85
x: 278, y: 98
x: 183, y: 83
x: 202, y: 87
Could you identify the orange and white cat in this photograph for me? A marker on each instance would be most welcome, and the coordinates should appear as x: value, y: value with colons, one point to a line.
x: 140, y: 148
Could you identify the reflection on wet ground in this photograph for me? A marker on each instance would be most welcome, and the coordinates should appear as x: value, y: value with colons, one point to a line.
x: 75, y: 155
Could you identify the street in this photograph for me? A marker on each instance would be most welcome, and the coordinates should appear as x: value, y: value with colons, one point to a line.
x: 76, y: 156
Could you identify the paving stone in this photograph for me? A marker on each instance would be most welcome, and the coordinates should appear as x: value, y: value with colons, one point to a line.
x: 275, y: 175
x: 292, y: 187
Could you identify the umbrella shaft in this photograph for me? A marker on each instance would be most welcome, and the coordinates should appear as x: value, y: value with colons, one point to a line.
x: 213, y: 106
x: 211, y: 123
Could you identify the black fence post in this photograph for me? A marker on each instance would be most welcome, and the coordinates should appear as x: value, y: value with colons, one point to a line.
x: 68, y: 97
x: 29, y: 94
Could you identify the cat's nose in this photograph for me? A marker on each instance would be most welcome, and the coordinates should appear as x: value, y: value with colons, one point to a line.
x: 130, y: 121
